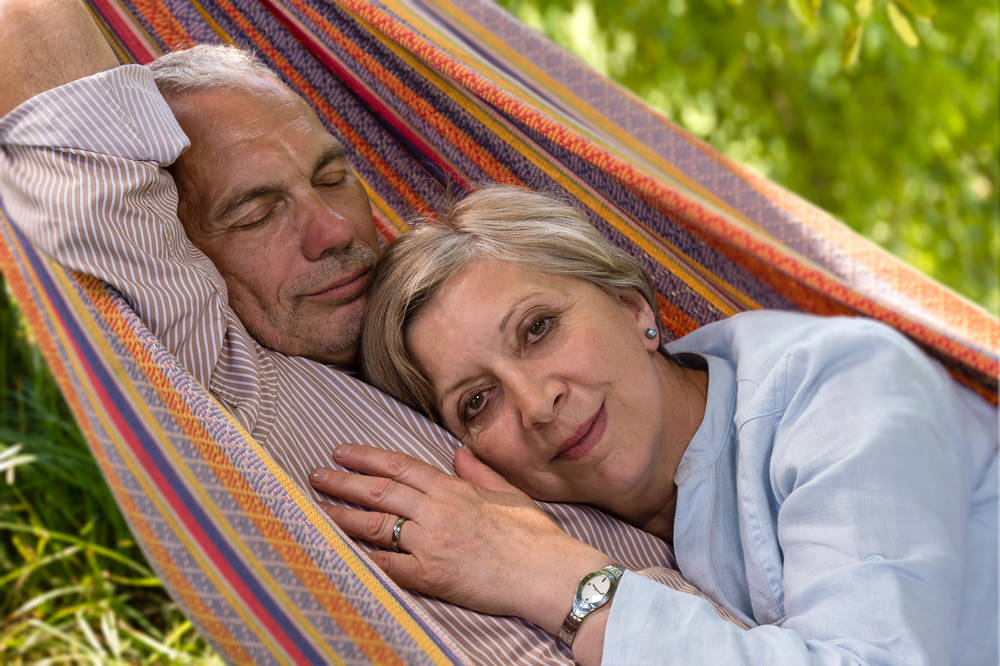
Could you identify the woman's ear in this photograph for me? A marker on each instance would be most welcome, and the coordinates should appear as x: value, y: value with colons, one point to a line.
x: 644, y: 317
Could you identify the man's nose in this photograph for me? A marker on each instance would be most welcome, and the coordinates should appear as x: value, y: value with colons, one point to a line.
x: 539, y: 399
x: 324, y: 230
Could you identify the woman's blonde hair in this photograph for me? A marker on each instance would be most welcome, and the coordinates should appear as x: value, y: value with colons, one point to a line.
x: 509, y: 224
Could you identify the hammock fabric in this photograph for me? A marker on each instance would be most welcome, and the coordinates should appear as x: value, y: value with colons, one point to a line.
x: 432, y: 98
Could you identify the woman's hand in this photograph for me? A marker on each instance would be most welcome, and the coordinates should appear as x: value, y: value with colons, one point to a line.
x: 475, y: 541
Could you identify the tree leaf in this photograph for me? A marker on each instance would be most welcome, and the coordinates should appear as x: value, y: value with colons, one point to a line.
x: 852, y: 44
x: 902, y: 26
x: 920, y: 8
x: 863, y: 8
x: 805, y: 11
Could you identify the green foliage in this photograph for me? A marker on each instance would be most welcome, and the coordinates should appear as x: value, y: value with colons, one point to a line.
x: 68, y: 593
x: 867, y: 108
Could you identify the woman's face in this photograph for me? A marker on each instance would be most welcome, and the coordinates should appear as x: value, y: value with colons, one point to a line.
x: 548, y: 380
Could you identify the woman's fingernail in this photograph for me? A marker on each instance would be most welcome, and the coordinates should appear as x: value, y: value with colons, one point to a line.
x: 319, y: 475
x: 342, y: 450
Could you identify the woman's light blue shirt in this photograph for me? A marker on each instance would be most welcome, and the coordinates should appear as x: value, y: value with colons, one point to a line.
x: 840, y: 497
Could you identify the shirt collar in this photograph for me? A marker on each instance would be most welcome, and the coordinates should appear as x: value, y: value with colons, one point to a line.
x: 716, y: 427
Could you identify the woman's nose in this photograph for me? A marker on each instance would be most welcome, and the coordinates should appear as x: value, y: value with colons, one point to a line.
x: 539, y: 399
x: 324, y: 230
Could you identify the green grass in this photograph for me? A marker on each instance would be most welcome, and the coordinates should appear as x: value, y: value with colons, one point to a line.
x: 74, y: 587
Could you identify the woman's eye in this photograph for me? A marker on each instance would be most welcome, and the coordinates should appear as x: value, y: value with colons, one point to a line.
x: 537, y: 329
x: 475, y: 404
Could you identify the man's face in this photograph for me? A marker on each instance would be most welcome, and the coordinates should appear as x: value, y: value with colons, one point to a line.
x: 267, y: 194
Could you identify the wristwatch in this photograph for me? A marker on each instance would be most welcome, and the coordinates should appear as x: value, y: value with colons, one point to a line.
x: 596, y: 589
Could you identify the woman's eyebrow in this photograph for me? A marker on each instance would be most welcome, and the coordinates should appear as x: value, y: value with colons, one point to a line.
x: 513, y: 308
x: 451, y: 389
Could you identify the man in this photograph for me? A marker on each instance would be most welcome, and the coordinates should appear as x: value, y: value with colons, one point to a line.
x: 249, y: 264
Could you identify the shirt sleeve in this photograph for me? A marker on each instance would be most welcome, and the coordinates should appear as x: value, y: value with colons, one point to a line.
x: 871, y: 480
x: 81, y: 173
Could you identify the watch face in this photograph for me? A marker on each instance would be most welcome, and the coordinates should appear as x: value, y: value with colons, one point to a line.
x: 595, y: 589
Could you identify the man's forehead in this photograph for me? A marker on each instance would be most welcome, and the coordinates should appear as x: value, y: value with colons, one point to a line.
x: 245, y: 139
x: 239, y: 112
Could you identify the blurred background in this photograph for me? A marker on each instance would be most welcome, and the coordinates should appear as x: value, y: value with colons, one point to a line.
x: 885, y: 113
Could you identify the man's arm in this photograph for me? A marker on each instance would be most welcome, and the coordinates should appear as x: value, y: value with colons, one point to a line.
x: 81, y: 174
x: 44, y: 44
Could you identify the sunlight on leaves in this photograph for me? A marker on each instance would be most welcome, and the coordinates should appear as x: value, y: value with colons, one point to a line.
x: 902, y: 26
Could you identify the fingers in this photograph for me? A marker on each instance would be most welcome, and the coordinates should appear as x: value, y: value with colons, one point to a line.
x: 376, y: 527
x: 373, y: 526
x: 390, y: 464
x: 470, y: 468
x: 400, y: 567
x: 374, y: 492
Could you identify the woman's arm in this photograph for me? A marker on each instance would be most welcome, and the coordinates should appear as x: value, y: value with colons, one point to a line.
x: 475, y: 541
x: 855, y: 529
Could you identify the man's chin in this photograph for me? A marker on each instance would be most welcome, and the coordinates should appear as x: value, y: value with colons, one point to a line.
x: 335, y: 339
x: 330, y: 338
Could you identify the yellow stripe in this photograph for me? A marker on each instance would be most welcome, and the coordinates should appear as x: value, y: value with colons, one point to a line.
x: 387, y: 211
x: 349, y: 556
x: 216, y: 28
x: 361, y: 569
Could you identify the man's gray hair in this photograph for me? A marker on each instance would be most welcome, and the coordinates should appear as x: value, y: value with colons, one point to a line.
x: 206, y: 67
x: 507, y: 224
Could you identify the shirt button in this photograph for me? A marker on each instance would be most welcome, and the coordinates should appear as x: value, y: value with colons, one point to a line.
x: 875, y: 558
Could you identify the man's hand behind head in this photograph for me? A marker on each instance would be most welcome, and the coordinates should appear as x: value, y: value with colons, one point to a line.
x: 44, y: 44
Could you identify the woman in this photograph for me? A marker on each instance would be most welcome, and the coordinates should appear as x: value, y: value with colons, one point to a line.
x: 821, y: 478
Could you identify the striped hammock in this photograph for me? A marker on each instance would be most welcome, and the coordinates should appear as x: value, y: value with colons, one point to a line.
x: 432, y: 97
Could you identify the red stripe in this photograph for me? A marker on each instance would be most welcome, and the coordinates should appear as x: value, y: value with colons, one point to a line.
x: 125, y: 31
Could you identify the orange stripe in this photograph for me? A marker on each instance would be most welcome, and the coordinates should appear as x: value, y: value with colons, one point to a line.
x: 673, y: 318
x: 966, y: 319
x: 163, y: 22
x: 694, y: 214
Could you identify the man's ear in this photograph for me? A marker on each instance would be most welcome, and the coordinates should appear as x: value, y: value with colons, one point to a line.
x: 644, y: 318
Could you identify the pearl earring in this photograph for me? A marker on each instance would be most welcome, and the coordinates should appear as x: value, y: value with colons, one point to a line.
x: 650, y: 332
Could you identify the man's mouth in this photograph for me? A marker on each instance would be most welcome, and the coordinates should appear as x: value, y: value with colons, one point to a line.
x: 586, y: 437
x: 343, y: 287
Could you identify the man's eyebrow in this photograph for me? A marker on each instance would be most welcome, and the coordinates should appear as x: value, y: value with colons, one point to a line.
x: 331, y: 154
x: 240, y: 198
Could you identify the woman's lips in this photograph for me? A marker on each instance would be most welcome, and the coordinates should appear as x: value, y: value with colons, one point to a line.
x: 586, y: 437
